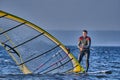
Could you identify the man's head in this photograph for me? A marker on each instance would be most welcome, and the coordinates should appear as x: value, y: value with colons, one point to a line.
x: 84, y: 33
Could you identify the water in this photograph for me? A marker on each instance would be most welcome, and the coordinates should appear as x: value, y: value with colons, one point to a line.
x: 101, y: 58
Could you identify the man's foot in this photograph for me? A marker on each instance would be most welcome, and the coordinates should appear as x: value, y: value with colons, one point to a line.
x: 85, y: 71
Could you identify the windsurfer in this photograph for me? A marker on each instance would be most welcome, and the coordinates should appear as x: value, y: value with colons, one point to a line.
x: 84, y: 44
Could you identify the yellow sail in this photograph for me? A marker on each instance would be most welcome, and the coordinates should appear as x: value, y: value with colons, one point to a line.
x: 33, y: 49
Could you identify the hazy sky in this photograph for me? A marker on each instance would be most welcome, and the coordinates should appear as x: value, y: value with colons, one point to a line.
x: 71, y: 15
x: 67, y: 14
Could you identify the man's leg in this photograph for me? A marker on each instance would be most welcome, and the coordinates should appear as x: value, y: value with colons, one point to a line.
x: 80, y: 56
x: 87, y: 59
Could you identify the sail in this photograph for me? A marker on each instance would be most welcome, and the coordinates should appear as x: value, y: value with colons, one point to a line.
x: 33, y: 49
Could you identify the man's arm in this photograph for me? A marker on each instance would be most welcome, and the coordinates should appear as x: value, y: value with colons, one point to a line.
x: 80, y: 45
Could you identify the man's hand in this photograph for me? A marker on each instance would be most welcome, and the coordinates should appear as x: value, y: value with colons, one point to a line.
x: 81, y: 49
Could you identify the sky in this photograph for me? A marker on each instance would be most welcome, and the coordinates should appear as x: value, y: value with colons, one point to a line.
x: 72, y: 16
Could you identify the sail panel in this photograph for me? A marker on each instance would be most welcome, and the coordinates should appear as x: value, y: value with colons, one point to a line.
x: 32, y: 48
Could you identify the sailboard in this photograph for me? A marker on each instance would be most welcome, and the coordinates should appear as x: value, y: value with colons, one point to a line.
x: 33, y: 49
x: 100, y: 72
x: 95, y: 72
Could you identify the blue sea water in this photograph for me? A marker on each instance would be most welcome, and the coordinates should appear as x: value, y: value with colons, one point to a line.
x: 101, y: 58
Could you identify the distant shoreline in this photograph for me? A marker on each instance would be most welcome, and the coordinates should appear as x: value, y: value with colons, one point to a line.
x: 94, y: 46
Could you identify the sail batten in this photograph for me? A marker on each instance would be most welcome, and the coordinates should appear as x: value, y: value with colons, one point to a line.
x: 39, y: 55
x: 11, y: 28
x: 28, y: 40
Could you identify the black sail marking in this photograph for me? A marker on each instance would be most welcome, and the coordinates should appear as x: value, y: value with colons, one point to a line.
x: 47, y: 61
x: 5, y: 45
x: 58, y: 66
x: 12, y: 28
x: 28, y: 40
x: 3, y: 16
x: 5, y: 41
x: 39, y: 55
x: 53, y: 64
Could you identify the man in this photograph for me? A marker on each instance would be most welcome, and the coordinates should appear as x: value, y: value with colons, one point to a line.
x: 84, y: 44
